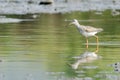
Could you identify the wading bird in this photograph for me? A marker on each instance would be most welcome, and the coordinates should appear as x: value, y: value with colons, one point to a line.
x: 87, y: 31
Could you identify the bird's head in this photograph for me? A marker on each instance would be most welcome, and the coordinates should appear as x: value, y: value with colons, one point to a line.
x: 74, y: 21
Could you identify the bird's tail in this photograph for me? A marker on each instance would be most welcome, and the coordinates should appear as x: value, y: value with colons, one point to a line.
x: 100, y: 29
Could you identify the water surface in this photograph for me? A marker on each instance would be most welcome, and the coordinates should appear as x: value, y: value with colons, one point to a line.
x: 46, y: 49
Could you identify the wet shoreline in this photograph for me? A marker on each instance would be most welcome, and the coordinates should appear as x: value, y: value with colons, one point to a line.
x: 58, y: 6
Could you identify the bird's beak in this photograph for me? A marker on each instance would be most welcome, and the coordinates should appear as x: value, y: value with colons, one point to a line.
x: 70, y: 23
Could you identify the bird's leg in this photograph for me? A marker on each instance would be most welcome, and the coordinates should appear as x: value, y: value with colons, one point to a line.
x: 97, y: 42
x: 87, y: 43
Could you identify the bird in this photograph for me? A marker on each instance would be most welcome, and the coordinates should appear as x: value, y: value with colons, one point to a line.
x: 87, y: 31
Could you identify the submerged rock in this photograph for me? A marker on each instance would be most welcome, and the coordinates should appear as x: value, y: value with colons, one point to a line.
x: 116, y: 66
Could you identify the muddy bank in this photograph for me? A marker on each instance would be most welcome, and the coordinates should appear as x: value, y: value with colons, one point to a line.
x: 57, y: 6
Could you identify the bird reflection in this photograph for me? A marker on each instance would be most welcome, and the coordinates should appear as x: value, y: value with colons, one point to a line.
x: 86, y: 57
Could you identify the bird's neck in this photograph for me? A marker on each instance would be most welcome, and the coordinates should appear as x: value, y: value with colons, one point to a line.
x: 78, y: 26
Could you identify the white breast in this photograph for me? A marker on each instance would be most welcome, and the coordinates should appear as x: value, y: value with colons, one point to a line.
x: 88, y: 34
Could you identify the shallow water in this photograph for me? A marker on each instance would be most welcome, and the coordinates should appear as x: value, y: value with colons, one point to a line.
x: 47, y: 49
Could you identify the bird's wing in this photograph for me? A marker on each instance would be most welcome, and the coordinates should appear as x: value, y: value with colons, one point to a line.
x: 90, y: 29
